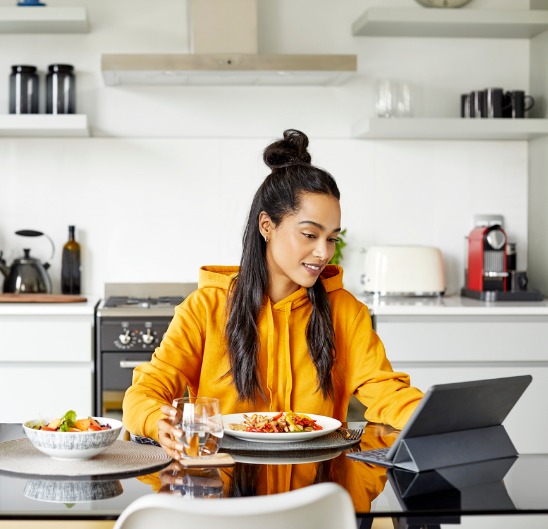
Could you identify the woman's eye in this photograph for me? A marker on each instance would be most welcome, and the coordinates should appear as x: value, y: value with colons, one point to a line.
x: 309, y: 235
x: 334, y: 240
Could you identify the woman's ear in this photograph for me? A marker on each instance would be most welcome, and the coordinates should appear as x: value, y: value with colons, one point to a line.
x: 265, y: 225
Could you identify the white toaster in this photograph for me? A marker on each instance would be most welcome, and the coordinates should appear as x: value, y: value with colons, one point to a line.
x: 404, y: 271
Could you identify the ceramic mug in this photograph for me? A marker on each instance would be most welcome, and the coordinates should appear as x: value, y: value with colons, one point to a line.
x: 477, y: 104
x: 518, y: 104
x: 465, y: 106
x: 495, y: 102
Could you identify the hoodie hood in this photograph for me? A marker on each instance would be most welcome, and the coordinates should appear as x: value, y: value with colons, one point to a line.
x: 222, y: 276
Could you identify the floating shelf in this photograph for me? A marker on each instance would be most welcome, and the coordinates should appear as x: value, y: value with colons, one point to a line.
x: 450, y: 129
x: 453, y: 23
x: 43, y: 20
x: 44, y: 125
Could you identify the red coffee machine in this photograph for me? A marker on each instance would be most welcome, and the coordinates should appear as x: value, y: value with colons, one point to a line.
x: 487, y: 277
x: 487, y: 259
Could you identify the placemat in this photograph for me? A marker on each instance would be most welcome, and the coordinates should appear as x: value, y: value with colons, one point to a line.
x: 122, y: 458
x: 331, y: 441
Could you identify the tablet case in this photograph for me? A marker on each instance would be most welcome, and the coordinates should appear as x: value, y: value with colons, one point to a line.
x: 457, y: 424
x: 454, y: 448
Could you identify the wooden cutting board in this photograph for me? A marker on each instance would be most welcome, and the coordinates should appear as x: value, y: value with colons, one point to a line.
x: 41, y: 298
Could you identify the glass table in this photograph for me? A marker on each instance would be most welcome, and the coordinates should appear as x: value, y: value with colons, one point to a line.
x: 498, y: 494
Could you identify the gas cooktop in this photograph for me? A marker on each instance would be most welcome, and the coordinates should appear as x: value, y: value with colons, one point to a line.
x: 143, y: 303
x: 143, y: 299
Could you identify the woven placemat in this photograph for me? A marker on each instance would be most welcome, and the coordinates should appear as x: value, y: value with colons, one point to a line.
x: 331, y: 441
x: 122, y: 458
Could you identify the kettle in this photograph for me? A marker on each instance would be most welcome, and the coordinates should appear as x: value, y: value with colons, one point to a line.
x: 27, y: 275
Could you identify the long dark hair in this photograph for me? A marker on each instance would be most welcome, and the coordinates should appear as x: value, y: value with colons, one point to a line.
x: 279, y: 195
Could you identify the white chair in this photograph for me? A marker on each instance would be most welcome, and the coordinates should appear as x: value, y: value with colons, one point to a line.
x: 320, y: 506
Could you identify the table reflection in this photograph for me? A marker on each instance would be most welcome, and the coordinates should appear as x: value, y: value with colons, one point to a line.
x: 254, y: 475
x: 71, y: 491
x: 447, y: 492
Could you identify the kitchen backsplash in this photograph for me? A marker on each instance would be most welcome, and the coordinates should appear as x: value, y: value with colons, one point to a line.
x: 155, y: 210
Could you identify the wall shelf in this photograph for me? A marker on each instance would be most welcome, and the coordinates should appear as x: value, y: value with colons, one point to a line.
x: 453, y: 23
x: 450, y: 129
x: 44, y: 125
x: 43, y: 20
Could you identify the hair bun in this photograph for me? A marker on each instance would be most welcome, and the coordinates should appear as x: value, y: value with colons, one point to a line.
x: 292, y: 150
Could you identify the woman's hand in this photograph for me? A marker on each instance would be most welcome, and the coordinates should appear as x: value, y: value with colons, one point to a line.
x: 167, y: 432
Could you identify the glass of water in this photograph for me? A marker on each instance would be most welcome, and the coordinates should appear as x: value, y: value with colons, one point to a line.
x: 202, y: 426
x: 393, y: 99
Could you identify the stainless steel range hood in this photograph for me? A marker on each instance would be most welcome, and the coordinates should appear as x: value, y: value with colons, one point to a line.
x: 224, y: 51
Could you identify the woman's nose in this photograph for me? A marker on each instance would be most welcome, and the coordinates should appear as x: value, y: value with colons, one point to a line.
x: 320, y: 251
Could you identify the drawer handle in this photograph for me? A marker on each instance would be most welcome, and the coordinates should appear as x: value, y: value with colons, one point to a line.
x: 130, y: 364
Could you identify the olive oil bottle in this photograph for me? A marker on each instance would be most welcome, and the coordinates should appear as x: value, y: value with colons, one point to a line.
x: 70, y: 266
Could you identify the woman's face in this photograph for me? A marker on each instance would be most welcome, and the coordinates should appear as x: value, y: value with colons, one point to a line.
x: 301, y: 245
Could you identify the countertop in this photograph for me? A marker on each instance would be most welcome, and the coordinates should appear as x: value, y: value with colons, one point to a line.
x: 379, y: 306
x: 450, y: 306
x: 50, y: 309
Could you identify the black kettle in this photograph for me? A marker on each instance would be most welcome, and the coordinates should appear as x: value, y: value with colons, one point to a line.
x: 27, y: 275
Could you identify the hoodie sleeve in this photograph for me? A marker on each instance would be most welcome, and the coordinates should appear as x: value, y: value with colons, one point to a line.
x: 387, y: 394
x: 175, y: 364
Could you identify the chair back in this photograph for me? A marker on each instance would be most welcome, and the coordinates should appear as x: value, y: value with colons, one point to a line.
x: 319, y: 506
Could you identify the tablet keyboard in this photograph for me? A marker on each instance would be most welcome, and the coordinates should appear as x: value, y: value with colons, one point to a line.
x: 377, y: 456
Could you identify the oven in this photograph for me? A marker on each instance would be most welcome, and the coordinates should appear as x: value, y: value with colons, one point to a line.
x: 130, y: 323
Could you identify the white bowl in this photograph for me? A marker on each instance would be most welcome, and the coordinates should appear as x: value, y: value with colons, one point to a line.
x: 73, y: 445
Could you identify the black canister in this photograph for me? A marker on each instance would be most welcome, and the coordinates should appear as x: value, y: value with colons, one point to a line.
x: 60, y: 89
x: 511, y: 256
x: 24, y: 88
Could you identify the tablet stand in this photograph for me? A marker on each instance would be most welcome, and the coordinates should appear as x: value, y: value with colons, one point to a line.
x: 453, y: 448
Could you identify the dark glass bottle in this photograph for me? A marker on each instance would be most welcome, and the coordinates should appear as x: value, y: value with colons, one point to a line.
x: 60, y: 89
x: 24, y: 87
x: 70, y: 267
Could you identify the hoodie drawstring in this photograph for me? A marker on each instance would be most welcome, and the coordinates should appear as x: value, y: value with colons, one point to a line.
x: 270, y: 352
x: 289, y: 384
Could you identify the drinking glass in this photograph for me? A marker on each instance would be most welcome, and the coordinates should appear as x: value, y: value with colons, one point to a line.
x: 393, y: 99
x: 202, y: 426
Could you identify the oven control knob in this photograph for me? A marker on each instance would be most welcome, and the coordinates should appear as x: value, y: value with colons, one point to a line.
x: 125, y: 338
x: 148, y: 338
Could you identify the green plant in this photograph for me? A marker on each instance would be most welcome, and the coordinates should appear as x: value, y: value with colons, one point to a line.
x: 339, y: 245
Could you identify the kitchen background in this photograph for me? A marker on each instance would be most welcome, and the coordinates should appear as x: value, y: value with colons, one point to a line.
x: 164, y: 182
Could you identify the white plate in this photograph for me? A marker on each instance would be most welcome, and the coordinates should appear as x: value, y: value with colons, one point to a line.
x: 327, y: 423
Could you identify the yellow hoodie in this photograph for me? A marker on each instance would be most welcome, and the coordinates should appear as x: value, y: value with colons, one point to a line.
x: 193, y: 355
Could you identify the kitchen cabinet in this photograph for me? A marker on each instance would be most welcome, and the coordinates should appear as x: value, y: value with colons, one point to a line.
x: 46, y: 360
x: 459, y: 339
x: 451, y: 23
x: 43, y: 20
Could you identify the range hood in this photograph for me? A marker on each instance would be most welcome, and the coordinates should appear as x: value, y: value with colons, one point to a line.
x: 224, y: 51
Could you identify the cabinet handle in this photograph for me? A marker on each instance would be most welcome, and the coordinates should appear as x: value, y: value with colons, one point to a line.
x: 130, y: 364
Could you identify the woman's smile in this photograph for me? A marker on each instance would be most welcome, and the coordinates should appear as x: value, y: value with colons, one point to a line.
x: 315, y: 270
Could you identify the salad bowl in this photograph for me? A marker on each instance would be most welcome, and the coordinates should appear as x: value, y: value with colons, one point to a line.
x: 72, y: 445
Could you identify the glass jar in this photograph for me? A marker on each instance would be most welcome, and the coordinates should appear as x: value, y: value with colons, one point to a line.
x: 24, y: 90
x: 60, y: 89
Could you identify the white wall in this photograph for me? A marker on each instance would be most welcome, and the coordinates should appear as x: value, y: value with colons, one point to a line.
x: 164, y: 184
x: 538, y: 162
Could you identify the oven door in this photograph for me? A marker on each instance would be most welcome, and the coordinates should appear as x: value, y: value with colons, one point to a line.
x: 116, y: 376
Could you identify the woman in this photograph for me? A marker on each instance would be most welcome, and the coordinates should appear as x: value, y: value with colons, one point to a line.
x: 278, y: 333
